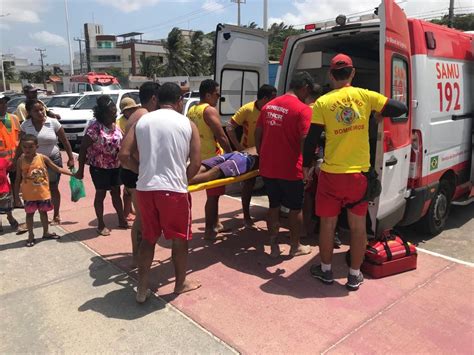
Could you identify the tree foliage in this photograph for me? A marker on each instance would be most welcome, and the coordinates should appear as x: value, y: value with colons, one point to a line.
x: 277, y: 34
x: 460, y: 22
x: 200, y: 55
x: 8, y: 71
x: 178, y: 54
x: 151, y: 66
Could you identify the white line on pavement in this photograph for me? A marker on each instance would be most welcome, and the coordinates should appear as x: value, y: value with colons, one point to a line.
x: 467, y: 263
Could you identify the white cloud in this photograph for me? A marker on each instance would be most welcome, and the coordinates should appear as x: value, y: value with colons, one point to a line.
x: 49, y: 39
x: 310, y: 11
x: 128, y: 5
x: 26, y: 11
x: 212, y: 6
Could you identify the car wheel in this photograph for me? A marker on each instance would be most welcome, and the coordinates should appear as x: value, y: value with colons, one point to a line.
x: 435, y: 219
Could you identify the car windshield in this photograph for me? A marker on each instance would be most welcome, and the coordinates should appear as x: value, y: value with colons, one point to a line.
x: 16, y: 101
x: 63, y: 101
x: 96, y: 87
x: 87, y: 102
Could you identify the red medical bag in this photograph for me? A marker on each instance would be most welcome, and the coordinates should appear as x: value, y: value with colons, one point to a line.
x: 388, y: 256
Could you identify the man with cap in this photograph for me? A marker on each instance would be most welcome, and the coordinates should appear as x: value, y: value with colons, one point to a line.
x: 31, y: 93
x: 127, y: 107
x: 344, y: 114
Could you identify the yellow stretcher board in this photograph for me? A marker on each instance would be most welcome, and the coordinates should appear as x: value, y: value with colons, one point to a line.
x: 222, y: 182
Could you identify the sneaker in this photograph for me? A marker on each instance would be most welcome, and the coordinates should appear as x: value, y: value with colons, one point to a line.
x: 325, y: 276
x: 353, y: 282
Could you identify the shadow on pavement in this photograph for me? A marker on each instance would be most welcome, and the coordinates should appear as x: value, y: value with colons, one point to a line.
x: 458, y: 217
x: 119, y: 303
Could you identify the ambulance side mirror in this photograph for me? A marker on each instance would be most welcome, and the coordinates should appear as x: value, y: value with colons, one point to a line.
x: 430, y: 40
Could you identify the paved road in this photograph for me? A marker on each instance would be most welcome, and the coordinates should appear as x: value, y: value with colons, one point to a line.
x: 62, y: 297
x: 456, y: 241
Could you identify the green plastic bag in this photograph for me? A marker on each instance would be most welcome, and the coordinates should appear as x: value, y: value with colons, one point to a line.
x: 77, y: 187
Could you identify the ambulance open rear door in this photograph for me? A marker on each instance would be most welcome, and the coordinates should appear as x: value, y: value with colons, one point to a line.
x: 394, y: 143
x: 241, y: 66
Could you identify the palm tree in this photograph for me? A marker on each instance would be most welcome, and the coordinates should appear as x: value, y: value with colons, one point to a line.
x: 200, y: 55
x: 150, y: 66
x: 178, y: 53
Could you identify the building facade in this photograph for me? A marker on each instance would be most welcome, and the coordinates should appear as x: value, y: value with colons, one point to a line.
x: 123, y: 51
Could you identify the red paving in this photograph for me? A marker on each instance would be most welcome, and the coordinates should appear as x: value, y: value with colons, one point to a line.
x: 260, y: 305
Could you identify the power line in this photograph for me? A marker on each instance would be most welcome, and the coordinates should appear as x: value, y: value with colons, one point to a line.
x: 42, y: 55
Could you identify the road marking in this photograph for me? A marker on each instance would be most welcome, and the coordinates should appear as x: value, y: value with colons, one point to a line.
x: 432, y: 253
x: 467, y: 263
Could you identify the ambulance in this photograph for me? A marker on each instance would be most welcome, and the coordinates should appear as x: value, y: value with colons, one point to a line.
x: 423, y: 159
x: 93, y: 81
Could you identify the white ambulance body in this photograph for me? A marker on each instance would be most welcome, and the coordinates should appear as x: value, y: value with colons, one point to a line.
x: 424, y: 159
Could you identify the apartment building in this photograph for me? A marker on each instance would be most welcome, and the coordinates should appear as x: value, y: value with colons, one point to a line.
x: 118, y: 51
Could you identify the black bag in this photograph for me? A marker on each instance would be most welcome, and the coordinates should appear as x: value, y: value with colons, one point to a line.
x: 374, y: 188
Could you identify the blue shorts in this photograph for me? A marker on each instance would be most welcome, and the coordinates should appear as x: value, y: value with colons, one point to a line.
x: 231, y: 164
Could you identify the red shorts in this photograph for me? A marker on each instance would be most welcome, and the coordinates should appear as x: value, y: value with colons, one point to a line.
x: 337, y: 190
x: 164, y: 212
x: 216, y: 191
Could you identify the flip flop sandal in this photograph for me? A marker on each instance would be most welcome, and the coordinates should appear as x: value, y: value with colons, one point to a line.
x: 52, y: 236
x: 55, y: 222
x: 21, y: 229
x: 105, y: 232
x: 30, y: 244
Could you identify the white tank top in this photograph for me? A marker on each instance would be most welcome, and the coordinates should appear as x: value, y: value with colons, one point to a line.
x: 163, y: 139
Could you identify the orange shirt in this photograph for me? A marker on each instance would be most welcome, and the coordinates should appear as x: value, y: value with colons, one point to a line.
x: 9, y: 136
x: 34, y: 179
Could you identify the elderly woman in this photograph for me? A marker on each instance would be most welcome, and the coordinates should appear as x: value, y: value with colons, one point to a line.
x: 47, y: 130
x: 99, y: 149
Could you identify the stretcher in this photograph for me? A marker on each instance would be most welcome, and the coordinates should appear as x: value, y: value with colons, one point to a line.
x: 222, y: 182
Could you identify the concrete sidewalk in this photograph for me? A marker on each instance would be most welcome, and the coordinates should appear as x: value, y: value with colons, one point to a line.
x: 61, y: 297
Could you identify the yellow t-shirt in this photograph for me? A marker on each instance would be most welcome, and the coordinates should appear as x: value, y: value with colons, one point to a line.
x: 122, y: 123
x: 345, y: 115
x: 209, y: 146
x: 247, y: 117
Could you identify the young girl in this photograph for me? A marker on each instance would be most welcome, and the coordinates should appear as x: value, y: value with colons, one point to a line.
x: 32, y: 178
x: 6, y: 198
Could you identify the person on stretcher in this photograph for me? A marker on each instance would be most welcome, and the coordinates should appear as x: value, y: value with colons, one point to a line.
x: 226, y: 165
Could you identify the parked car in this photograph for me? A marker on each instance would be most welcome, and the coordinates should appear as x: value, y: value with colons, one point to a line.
x: 188, y: 103
x: 191, y: 94
x: 76, y: 120
x: 61, y: 104
x: 14, y: 102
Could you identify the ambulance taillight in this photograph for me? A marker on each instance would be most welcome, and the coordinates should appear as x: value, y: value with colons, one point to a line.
x: 416, y: 159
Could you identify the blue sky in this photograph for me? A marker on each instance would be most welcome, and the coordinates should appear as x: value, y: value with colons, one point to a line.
x: 29, y: 24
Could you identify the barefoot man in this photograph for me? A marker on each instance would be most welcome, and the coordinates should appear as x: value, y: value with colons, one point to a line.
x: 164, y: 141
x: 129, y: 173
x: 281, y: 129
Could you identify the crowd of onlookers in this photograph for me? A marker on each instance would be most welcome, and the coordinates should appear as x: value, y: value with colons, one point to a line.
x: 156, y: 152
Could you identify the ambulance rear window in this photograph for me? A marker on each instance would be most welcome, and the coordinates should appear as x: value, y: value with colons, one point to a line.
x: 400, y: 83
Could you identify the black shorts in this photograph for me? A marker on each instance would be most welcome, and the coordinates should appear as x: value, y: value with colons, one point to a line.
x: 129, y: 178
x: 289, y: 193
x: 105, y: 179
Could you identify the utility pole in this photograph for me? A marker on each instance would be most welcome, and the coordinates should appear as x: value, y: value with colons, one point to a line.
x: 42, y: 64
x: 451, y: 13
x: 238, y: 9
x: 80, y: 40
x: 71, y: 65
x: 265, y: 15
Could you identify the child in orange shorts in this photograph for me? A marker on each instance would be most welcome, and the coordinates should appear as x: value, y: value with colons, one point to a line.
x: 32, y: 179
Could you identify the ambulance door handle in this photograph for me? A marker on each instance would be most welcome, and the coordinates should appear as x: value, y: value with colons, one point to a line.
x: 391, y: 162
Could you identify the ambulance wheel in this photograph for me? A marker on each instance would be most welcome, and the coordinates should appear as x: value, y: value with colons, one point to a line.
x: 435, y: 219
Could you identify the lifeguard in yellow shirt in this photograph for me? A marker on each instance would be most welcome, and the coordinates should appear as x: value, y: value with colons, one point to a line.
x: 213, y: 142
x: 246, y: 118
x: 344, y: 114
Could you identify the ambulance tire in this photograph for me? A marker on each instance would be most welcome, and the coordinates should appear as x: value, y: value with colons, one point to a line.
x: 435, y: 219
